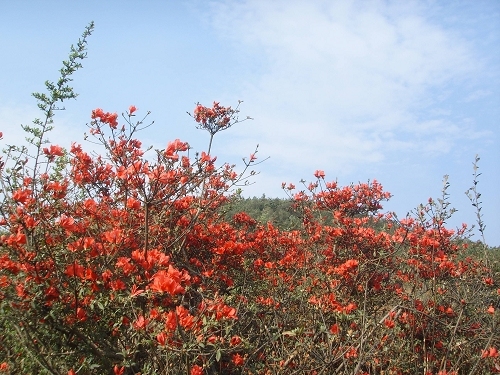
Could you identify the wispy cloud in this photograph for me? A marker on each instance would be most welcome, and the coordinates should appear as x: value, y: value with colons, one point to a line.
x: 356, y: 80
x: 476, y: 95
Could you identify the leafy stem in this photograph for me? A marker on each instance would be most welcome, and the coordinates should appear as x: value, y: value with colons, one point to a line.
x: 56, y: 92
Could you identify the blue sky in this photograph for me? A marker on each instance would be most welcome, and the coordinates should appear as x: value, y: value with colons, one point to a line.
x: 402, y: 92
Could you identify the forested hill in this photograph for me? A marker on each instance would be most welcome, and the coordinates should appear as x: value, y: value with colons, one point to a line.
x: 276, y: 210
x: 281, y: 213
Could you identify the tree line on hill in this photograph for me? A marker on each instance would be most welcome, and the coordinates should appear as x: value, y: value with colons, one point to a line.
x: 281, y: 213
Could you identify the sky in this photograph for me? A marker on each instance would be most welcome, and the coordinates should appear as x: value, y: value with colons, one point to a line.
x: 402, y: 92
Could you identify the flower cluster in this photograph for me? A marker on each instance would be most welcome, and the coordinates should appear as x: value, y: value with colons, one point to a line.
x: 129, y: 265
x: 216, y: 118
x: 105, y: 117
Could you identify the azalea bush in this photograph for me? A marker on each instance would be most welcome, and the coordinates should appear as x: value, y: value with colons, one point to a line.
x: 124, y: 263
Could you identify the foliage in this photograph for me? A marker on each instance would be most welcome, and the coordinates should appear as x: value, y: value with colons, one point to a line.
x: 124, y: 263
x: 280, y: 212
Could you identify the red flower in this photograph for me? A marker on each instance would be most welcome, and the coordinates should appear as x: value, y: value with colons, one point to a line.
x: 131, y: 110
x: 164, y: 281
x: 216, y: 118
x: 171, y: 321
x: 96, y: 113
x: 133, y: 203
x: 351, y: 353
x: 186, y: 320
x: 389, y: 323
x: 226, y: 312
x: 350, y: 307
x: 134, y: 292
x: 140, y: 323
x: 319, y: 174
x: 21, y: 195
x: 67, y: 222
x: 196, y: 370
x: 75, y: 270
x: 238, y: 360
x: 81, y: 314
x: 54, y: 150
x: 173, y: 148
x: 488, y: 281
x: 107, y: 118
x: 235, y: 340
x: 212, y: 339
x: 161, y: 338
x: 334, y: 329
x: 113, y: 236
x: 491, y: 352
x: 118, y: 370
x: 118, y: 285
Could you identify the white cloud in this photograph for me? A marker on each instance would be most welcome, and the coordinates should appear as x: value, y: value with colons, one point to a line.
x: 476, y: 95
x: 355, y: 80
x: 11, y: 118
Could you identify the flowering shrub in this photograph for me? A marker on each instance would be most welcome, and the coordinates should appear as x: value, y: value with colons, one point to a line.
x: 124, y: 264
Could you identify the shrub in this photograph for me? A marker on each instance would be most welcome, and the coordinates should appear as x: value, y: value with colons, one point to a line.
x: 124, y: 263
